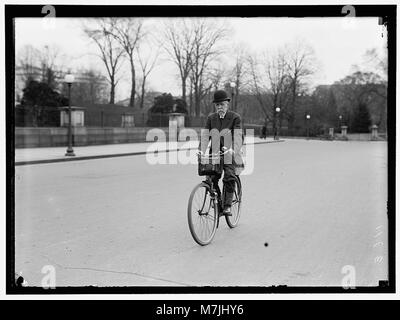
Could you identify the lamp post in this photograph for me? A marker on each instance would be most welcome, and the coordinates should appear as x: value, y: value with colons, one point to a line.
x: 308, y: 129
x: 277, y: 110
x: 340, y: 121
x: 232, y: 85
x: 69, y: 79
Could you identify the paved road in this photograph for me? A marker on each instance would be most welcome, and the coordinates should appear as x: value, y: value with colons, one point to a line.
x: 320, y: 206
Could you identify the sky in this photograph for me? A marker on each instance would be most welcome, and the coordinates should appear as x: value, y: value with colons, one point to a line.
x: 339, y: 43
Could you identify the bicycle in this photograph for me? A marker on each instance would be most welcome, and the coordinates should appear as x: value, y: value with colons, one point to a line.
x: 205, y: 201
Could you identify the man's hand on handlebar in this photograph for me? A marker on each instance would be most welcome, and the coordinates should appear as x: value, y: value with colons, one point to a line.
x: 225, y: 150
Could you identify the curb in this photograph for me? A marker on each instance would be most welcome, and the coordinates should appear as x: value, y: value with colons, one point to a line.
x: 22, y: 163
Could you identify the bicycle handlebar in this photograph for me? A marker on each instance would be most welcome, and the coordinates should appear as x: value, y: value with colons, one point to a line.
x: 219, y: 153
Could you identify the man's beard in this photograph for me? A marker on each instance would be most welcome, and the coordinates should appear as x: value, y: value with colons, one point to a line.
x: 221, y: 113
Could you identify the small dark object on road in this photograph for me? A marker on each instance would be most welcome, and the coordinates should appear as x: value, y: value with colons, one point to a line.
x: 19, y: 280
x: 266, y: 244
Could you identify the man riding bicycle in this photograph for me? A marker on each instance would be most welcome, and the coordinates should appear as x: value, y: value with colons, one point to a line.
x: 224, y: 129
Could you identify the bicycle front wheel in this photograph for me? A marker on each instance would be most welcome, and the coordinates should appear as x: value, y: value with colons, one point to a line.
x: 233, y: 220
x: 202, y: 215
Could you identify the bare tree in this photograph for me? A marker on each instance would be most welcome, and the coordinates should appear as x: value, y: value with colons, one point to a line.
x: 377, y: 62
x: 129, y: 32
x: 110, y: 50
x: 217, y: 76
x: 178, y: 43
x: 300, y: 66
x: 258, y: 87
x: 270, y: 83
x: 48, y: 61
x: 276, y: 68
x: 147, y: 64
x: 39, y: 64
x: 214, y: 79
x: 207, y: 38
x: 27, y: 60
x: 238, y: 72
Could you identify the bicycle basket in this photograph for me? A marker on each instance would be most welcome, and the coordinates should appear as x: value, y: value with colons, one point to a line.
x: 209, y: 165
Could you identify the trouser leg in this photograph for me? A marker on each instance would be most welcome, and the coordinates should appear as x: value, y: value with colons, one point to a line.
x: 229, y: 183
x: 215, y: 180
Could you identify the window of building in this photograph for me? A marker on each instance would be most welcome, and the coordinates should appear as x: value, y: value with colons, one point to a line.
x: 127, y: 120
x: 79, y: 118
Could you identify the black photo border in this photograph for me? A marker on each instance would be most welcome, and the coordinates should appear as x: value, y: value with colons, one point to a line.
x: 388, y: 14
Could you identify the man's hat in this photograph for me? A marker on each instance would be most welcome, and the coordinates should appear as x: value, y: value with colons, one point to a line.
x: 220, y: 95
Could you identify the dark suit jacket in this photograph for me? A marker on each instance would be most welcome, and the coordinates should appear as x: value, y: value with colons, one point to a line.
x: 223, y: 128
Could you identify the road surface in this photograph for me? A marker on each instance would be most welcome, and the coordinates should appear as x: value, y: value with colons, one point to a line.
x: 312, y: 211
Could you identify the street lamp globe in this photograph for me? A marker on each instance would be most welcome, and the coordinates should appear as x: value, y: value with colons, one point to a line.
x: 308, y: 117
x: 232, y: 86
x: 69, y: 78
x: 278, y: 109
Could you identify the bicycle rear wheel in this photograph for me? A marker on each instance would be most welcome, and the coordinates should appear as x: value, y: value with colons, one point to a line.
x: 202, y: 215
x: 233, y: 220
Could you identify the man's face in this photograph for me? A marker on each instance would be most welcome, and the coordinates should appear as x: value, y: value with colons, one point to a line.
x: 222, y: 107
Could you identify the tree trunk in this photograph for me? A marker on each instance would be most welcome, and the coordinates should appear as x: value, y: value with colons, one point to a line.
x: 274, y: 125
x: 112, y: 91
x: 184, y: 89
x: 133, y: 87
x: 191, y: 100
x: 290, y: 124
x: 236, y: 97
x: 143, y: 91
x: 197, y: 102
x: 292, y: 109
